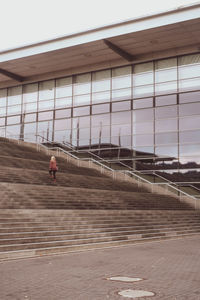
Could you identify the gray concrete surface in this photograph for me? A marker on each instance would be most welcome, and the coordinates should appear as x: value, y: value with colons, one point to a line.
x: 170, y: 269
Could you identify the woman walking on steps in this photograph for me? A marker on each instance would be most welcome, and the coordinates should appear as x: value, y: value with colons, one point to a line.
x: 53, y: 168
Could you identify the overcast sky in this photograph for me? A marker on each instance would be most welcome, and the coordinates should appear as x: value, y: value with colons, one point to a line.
x: 29, y: 21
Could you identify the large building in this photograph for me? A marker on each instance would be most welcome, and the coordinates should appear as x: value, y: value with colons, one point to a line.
x: 133, y: 85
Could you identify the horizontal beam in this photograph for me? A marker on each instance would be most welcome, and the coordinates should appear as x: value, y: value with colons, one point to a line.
x: 12, y: 75
x: 119, y: 51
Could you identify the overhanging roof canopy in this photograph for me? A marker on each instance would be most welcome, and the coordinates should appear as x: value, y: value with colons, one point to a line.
x: 163, y: 35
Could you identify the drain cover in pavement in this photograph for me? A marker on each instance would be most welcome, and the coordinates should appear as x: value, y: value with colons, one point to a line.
x: 135, y: 294
x: 125, y: 279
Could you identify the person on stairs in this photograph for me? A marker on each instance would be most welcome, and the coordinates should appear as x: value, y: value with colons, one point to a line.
x: 53, y: 168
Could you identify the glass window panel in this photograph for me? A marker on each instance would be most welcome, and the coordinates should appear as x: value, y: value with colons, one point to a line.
x: 189, y: 71
x: 81, y: 111
x: 146, y: 151
x: 166, y: 112
x: 82, y: 84
x: 143, y: 140
x: 143, y: 103
x: 142, y: 79
x: 189, y: 59
x: 121, y: 117
x: 82, y: 99
x: 119, y: 106
x: 101, y: 80
x: 43, y: 105
x: 166, y: 63
x: 83, y: 88
x: 100, y: 108
x: 189, y: 97
x: 121, y: 77
x: 100, y: 132
x: 30, y: 93
x: 143, y: 91
x: 13, y: 120
x: 64, y: 87
x: 165, y: 75
x: 166, y: 100
x: 29, y: 118
x: 3, y: 97
x: 14, y: 109
x: 30, y: 131
x: 143, y: 127
x: 189, y: 150
x: 3, y: 111
x: 101, y: 97
x: 63, y: 136
x: 121, y: 129
x: 143, y: 115
x: 166, y: 125
x: 84, y: 133
x: 62, y: 124
x: 63, y: 113
x: 63, y: 102
x: 46, y: 90
x: 47, y: 115
x: 98, y: 120
x: 189, y: 84
x: 15, y: 95
x: 189, y: 137
x: 189, y: 109
x: 82, y: 121
x: 167, y: 151
x: 2, y: 121
x: 188, y: 123
x: 13, y: 131
x: 166, y: 138
x: 167, y: 87
x: 30, y: 107
x: 45, y: 129
x: 122, y: 94
x: 123, y: 141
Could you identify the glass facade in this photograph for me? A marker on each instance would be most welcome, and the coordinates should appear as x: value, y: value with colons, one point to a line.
x: 150, y: 109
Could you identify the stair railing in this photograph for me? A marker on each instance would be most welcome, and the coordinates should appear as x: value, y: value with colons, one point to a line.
x: 169, y: 186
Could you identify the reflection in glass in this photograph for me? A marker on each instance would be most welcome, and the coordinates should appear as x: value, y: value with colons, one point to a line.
x: 189, y: 136
x: 166, y: 112
x: 46, y: 90
x: 63, y: 113
x: 119, y: 106
x: 63, y: 102
x: 168, y: 151
x: 101, y: 81
x: 81, y: 111
x: 143, y: 103
x: 143, y: 127
x: 189, y: 109
x: 15, y: 95
x: 121, y: 94
x: 121, y: 117
x: 13, y: 120
x: 100, y: 108
x: 189, y: 97
x: 166, y: 100
x: 13, y: 131
x: 62, y: 124
x: 190, y: 150
x: 166, y: 125
x: 81, y: 100
x: 188, y: 123
x: 3, y: 97
x: 29, y: 118
x: 43, y: 105
x: 64, y: 87
x: 143, y: 140
x: 47, y: 115
x: 101, y: 97
x: 100, y: 119
x: 166, y: 138
x: 30, y: 93
x: 143, y: 115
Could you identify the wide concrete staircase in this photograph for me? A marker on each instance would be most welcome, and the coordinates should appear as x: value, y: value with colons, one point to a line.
x: 82, y: 210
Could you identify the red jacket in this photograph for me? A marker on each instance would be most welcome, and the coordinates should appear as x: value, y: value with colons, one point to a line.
x: 52, y: 165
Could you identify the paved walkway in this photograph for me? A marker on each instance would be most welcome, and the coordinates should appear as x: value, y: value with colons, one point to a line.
x: 171, y: 269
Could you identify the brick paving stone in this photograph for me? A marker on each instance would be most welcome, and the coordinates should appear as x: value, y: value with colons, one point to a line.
x: 171, y: 269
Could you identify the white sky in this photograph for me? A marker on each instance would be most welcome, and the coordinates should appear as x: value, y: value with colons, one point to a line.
x: 29, y: 21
